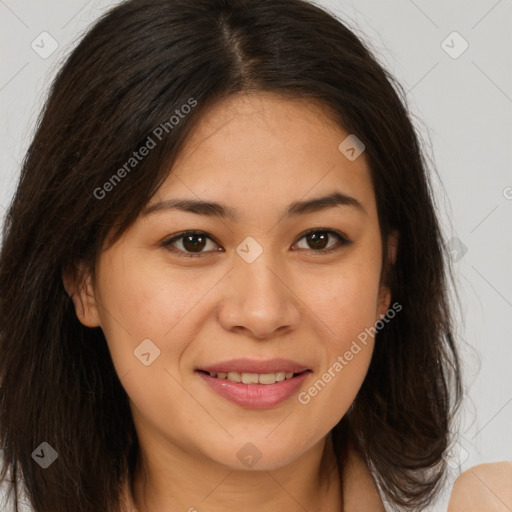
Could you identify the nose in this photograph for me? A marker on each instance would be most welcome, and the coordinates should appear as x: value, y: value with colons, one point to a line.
x: 259, y: 299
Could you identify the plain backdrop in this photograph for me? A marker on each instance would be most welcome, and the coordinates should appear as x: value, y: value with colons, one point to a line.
x: 453, y: 58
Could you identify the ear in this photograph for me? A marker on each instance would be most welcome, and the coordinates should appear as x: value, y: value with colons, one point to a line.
x: 79, y: 287
x: 393, y: 238
x: 385, y: 292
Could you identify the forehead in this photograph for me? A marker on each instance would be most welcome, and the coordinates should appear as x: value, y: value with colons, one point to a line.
x: 262, y: 148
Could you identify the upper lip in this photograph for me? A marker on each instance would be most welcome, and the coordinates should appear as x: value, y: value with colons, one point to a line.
x: 255, y: 366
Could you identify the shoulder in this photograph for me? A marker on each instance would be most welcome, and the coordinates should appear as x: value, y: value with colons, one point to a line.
x: 486, y: 487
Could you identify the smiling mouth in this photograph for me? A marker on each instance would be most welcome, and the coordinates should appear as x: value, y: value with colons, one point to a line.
x: 254, y: 378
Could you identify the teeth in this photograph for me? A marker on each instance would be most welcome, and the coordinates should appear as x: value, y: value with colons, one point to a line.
x: 253, y: 378
x: 234, y: 376
x: 267, y: 378
x: 250, y: 378
x: 280, y: 376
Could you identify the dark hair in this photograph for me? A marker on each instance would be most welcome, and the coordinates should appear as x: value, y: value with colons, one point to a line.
x: 133, y: 70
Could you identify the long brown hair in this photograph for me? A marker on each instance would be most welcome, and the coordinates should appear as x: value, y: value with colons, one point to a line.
x: 139, y: 64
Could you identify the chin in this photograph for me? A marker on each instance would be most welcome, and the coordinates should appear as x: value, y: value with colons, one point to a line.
x: 257, y: 455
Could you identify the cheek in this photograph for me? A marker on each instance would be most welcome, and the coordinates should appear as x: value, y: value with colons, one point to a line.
x: 346, y: 298
x: 347, y: 348
x: 346, y: 303
x: 134, y: 306
x: 329, y: 395
x: 147, y: 319
x: 150, y: 301
x: 138, y: 298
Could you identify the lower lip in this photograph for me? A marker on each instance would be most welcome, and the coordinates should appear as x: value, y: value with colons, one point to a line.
x: 255, y: 396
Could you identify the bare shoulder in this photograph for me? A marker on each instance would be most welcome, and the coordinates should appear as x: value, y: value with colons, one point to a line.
x: 483, y: 488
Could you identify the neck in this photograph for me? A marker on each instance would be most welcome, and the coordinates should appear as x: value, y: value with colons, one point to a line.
x: 311, y: 482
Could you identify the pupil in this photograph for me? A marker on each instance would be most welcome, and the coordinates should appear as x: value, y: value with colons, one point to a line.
x: 314, y: 238
x: 194, y: 247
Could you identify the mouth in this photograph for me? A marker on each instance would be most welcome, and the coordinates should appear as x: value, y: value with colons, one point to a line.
x: 254, y: 378
x: 255, y: 384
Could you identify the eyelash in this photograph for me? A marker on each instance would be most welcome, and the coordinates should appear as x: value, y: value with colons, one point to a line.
x: 343, y: 241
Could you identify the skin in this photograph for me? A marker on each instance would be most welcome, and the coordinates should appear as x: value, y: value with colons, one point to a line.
x: 485, y: 487
x: 256, y: 154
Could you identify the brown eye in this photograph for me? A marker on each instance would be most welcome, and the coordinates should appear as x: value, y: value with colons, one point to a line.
x: 195, y: 243
x: 318, y: 240
x: 189, y: 243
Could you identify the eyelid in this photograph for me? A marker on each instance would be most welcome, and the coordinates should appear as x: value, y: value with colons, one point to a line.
x: 343, y: 241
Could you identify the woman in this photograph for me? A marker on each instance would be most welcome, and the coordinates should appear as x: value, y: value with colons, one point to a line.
x: 222, y: 278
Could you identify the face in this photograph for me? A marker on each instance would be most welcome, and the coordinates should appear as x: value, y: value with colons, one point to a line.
x: 279, y: 285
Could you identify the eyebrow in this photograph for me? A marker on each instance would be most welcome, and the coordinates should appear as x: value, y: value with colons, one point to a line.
x: 214, y: 209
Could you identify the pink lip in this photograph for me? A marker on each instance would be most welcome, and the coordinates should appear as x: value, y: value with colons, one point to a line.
x: 255, y: 366
x: 255, y: 396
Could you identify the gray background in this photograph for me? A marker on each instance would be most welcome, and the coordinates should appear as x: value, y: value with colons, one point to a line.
x: 461, y: 106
